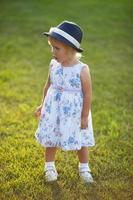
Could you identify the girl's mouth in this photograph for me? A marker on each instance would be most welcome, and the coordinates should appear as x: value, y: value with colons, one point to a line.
x: 55, y: 57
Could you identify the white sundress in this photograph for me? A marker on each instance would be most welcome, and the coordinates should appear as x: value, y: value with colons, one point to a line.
x: 60, y: 120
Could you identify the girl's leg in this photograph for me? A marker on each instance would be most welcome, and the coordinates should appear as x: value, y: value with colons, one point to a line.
x: 84, y: 169
x: 50, y: 154
x: 83, y: 155
x: 50, y: 169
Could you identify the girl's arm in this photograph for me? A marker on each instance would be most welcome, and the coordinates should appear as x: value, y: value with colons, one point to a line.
x: 37, y: 113
x: 47, y: 85
x: 87, y: 95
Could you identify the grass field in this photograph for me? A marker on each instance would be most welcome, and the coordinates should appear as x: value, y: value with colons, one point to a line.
x: 24, y: 60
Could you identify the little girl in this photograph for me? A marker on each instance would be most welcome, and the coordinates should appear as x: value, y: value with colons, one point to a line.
x: 65, y: 111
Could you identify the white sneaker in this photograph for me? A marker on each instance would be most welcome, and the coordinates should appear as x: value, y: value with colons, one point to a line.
x: 51, y: 175
x: 86, y: 176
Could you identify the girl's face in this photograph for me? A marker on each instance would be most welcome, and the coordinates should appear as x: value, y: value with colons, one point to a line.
x: 60, y: 51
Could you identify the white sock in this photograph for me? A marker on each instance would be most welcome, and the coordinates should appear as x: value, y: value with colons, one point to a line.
x: 84, y: 167
x: 49, y: 165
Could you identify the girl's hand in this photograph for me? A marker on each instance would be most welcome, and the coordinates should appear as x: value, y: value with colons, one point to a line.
x: 84, y: 122
x: 37, y: 113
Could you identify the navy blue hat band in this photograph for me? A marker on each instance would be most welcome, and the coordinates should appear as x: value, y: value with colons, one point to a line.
x: 65, y: 35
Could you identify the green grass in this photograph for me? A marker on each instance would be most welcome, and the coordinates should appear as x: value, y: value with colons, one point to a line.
x: 24, y: 61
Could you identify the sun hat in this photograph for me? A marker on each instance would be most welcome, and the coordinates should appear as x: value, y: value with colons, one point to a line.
x: 68, y: 33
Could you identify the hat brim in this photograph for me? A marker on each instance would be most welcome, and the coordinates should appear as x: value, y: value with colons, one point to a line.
x: 62, y: 39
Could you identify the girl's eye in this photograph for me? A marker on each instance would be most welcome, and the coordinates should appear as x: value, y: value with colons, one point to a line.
x: 54, y: 48
x: 57, y: 48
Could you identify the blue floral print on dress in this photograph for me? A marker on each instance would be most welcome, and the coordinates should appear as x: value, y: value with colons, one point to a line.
x: 60, y: 123
x: 70, y: 140
x: 58, y: 96
x: 74, y: 82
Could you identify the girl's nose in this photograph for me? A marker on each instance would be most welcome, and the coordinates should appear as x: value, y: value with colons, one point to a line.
x: 54, y: 53
x: 51, y: 49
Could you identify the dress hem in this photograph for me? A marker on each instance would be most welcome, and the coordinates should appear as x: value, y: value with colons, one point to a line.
x: 65, y: 149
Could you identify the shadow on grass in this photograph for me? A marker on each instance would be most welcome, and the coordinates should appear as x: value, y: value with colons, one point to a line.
x: 91, y: 191
x: 57, y: 192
